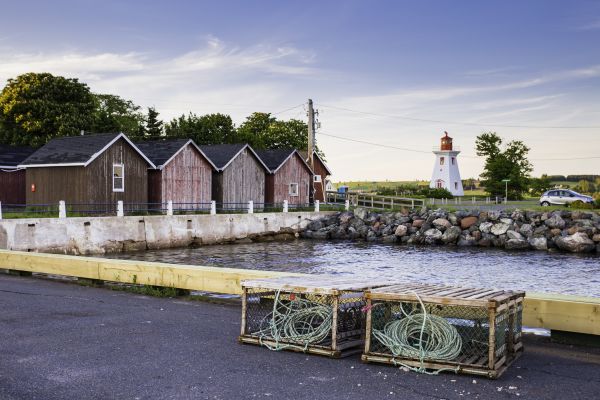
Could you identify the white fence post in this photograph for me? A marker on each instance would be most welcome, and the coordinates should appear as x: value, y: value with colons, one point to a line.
x: 213, y: 207
x: 0, y: 210
x: 250, y: 207
x: 169, y: 207
x: 120, y: 210
x: 473, y: 200
x: 285, y: 206
x: 62, y: 209
x: 346, y: 205
x: 317, y: 206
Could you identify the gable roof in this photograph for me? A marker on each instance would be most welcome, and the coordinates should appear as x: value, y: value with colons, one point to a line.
x: 162, y: 151
x: 12, y: 156
x: 221, y: 155
x: 275, y: 158
x: 76, y: 150
x: 304, y: 154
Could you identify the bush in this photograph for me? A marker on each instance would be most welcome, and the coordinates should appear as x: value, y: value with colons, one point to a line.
x: 583, y: 206
x: 421, y: 191
x: 437, y: 193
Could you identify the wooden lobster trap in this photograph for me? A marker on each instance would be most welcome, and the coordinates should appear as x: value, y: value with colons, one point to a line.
x: 317, y: 314
x: 437, y: 328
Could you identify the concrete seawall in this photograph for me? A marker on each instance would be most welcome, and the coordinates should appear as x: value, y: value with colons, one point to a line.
x: 99, y: 235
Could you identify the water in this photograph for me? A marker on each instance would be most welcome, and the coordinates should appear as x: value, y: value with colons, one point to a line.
x: 528, y: 270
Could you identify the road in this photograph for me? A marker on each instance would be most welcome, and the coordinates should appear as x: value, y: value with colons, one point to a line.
x: 65, y: 341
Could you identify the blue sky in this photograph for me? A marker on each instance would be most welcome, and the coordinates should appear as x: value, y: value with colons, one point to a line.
x: 514, y: 67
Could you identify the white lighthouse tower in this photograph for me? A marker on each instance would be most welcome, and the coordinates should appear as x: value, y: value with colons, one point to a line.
x: 445, y: 171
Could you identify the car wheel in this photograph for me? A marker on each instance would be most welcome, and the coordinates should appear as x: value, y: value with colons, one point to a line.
x: 545, y: 204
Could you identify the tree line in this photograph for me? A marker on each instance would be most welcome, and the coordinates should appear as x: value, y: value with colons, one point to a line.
x: 36, y: 107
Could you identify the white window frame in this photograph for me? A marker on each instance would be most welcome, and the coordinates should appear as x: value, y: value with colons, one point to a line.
x: 297, y: 192
x: 316, y: 178
x: 122, y: 189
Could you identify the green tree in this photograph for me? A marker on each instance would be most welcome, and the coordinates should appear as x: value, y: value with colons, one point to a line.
x: 255, y: 130
x: 537, y: 186
x: 115, y: 114
x: 205, y: 129
x: 154, y: 126
x: 503, y: 162
x: 36, y: 107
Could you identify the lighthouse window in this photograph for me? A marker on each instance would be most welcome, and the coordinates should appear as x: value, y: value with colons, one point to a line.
x: 455, y: 185
x: 441, y: 160
x: 452, y: 160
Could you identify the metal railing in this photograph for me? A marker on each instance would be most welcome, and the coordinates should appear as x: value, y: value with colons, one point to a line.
x: 120, y: 209
x: 373, y: 201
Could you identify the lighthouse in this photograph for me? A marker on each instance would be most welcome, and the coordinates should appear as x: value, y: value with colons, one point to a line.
x: 445, y: 170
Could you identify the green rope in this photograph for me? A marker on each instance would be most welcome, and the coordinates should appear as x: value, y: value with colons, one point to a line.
x: 422, y: 336
x: 298, y: 321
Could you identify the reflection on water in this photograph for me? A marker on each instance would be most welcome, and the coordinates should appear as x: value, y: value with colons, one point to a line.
x: 528, y: 270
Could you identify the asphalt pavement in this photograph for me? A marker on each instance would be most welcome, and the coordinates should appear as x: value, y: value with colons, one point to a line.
x: 65, y: 341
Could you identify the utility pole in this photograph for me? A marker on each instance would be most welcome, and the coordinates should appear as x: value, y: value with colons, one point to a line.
x: 311, y: 134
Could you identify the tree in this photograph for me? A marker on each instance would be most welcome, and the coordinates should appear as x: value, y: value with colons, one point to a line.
x: 255, y: 130
x: 508, y: 162
x: 115, y: 114
x: 205, y: 129
x: 537, y: 186
x: 36, y: 107
x: 154, y: 126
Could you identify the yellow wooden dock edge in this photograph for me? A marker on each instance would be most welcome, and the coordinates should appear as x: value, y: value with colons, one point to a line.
x: 541, y: 310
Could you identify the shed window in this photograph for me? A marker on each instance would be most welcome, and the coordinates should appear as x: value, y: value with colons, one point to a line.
x: 441, y: 160
x: 317, y: 178
x: 293, y: 189
x: 118, y: 178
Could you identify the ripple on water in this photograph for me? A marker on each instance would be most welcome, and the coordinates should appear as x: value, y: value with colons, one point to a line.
x: 526, y: 270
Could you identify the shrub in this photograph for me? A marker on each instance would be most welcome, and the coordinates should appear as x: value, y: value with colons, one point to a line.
x: 581, y: 205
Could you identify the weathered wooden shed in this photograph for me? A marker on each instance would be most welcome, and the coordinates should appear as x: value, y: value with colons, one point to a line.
x: 12, y: 178
x: 88, y: 169
x: 321, y: 173
x: 183, y: 173
x: 289, y: 177
x: 239, y: 176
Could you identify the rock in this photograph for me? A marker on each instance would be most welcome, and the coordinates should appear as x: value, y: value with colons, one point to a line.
x: 576, y: 243
x: 467, y: 222
x: 512, y: 235
x: 417, y: 223
x: 315, y: 225
x: 467, y: 240
x: 526, y: 230
x: 493, y: 215
x: 539, y: 243
x: 451, y: 234
x: 441, y: 223
x: 401, y: 230
x: 555, y: 232
x: 516, y: 244
x: 308, y: 234
x: 596, y: 237
x: 499, y: 228
x: 346, y: 216
x: 390, y: 239
x: 555, y: 221
x: 452, y: 218
x: 476, y: 235
x: 321, y: 235
x: 361, y: 213
x: 484, y: 242
x: 540, y: 230
x: 432, y: 235
x: 507, y: 221
x: 499, y: 241
x: 485, y: 227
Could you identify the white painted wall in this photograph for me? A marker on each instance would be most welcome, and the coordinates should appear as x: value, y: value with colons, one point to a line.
x: 99, y: 235
x: 447, y: 172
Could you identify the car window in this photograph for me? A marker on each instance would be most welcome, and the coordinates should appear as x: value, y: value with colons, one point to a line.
x: 552, y: 193
x: 571, y: 194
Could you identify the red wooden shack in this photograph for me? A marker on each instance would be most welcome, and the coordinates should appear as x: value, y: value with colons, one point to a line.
x: 289, y: 177
x: 321, y: 173
x: 183, y: 174
x: 12, y: 178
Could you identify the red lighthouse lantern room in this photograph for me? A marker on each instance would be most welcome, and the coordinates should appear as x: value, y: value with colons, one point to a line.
x: 446, y: 142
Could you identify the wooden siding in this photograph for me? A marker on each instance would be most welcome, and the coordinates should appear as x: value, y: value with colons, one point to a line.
x: 12, y: 186
x: 187, y: 178
x: 293, y: 171
x: 91, y: 184
x: 319, y: 187
x: 154, y: 186
x: 241, y: 181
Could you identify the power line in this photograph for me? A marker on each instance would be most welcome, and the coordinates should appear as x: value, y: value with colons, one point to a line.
x: 482, y: 124
x: 288, y: 109
x: 428, y: 152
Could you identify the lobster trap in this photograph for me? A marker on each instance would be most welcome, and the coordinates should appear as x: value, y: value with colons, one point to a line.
x: 317, y: 314
x: 444, y: 328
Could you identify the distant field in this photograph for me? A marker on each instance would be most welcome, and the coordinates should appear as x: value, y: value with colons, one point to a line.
x: 374, y: 185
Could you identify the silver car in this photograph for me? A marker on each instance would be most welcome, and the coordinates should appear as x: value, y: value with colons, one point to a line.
x: 563, y: 197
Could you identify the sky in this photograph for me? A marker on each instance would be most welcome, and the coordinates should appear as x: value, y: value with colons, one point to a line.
x: 388, y: 77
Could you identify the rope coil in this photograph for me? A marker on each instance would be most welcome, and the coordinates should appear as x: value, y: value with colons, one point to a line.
x: 299, y: 321
x: 421, y: 336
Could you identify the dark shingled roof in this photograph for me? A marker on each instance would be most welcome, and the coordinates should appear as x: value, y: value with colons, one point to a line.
x: 274, y: 158
x: 161, y: 151
x: 221, y: 154
x: 70, y: 149
x: 11, y: 156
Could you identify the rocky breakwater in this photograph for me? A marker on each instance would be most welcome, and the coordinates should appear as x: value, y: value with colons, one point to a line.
x: 573, y: 231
